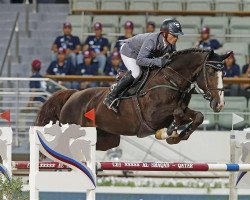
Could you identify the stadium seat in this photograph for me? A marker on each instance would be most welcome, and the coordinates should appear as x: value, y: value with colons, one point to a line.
x: 158, y: 20
x: 218, y: 26
x: 78, y: 31
x: 110, y: 22
x: 199, y: 5
x: 227, y: 5
x: 79, y: 21
x: 235, y: 105
x: 113, y: 5
x: 240, y: 60
x: 240, y: 26
x: 198, y: 103
x: 139, y: 23
x: 190, y: 22
x: 190, y: 25
x: 184, y: 45
x: 246, y: 5
x: 86, y: 4
x: 169, y: 5
x: 238, y: 48
x: 141, y: 5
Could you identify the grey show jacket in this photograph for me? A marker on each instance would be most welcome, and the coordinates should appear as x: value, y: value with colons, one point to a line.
x: 147, y: 49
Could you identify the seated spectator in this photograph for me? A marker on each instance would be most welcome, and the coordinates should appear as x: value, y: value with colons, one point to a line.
x: 36, y: 86
x: 231, y: 69
x: 61, y: 66
x: 88, y: 67
x: 205, y: 42
x: 70, y: 43
x: 114, y: 64
x: 99, y: 45
x: 150, y: 28
x: 246, y: 74
x: 128, y: 33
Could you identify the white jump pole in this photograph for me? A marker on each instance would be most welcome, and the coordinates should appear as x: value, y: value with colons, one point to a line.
x: 233, y: 193
x: 6, y: 148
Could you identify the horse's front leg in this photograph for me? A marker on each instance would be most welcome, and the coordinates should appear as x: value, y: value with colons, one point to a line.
x: 196, y: 118
x: 171, y: 131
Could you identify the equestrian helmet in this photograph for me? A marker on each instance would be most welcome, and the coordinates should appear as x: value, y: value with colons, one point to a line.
x: 171, y: 26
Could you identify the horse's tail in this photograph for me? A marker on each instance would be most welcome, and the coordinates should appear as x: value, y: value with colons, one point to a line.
x: 50, y: 111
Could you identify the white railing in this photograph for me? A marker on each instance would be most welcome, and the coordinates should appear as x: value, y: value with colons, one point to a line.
x: 16, y: 96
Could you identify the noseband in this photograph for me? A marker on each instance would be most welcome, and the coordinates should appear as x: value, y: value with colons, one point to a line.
x: 218, y: 66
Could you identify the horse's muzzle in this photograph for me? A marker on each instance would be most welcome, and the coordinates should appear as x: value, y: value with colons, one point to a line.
x: 216, y: 105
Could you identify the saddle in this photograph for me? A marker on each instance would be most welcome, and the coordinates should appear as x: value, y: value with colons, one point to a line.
x: 138, y: 84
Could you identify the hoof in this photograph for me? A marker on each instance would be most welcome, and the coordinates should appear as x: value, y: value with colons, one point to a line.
x: 161, y: 134
x: 185, y: 137
x: 175, y: 134
x: 173, y: 140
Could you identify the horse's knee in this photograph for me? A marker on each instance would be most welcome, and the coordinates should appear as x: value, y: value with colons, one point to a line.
x: 199, y: 118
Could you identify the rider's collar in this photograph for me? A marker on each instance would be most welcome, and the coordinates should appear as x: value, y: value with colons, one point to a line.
x: 165, y: 43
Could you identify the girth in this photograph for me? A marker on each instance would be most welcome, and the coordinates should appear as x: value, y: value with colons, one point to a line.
x: 144, y: 129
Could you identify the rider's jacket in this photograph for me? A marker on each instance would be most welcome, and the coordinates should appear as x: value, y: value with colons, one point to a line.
x: 147, y: 49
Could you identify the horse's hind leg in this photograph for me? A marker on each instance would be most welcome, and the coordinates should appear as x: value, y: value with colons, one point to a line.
x: 106, y: 141
x: 190, y: 116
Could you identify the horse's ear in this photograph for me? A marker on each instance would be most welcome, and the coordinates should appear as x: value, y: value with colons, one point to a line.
x: 226, y: 55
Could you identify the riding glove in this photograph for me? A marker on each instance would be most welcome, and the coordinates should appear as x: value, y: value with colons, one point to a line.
x: 165, y: 61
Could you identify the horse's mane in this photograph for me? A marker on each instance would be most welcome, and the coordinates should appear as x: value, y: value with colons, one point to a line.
x: 187, y: 51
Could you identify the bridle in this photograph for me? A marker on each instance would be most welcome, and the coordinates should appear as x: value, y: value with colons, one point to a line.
x: 218, y: 66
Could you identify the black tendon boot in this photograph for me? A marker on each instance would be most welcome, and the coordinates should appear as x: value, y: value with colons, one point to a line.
x: 118, y: 88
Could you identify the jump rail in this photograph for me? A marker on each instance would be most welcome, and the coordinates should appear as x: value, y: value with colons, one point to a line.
x: 140, y: 166
x: 164, y: 166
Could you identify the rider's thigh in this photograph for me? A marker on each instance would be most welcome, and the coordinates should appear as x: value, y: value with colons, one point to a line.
x: 131, y: 65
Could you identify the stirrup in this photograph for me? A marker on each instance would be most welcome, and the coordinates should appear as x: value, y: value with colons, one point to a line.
x: 114, y: 106
x: 113, y: 102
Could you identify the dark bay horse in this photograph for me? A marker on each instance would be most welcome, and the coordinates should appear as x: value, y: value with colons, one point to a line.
x: 163, y: 101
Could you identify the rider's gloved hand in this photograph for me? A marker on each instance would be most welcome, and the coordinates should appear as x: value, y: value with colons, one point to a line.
x: 165, y: 61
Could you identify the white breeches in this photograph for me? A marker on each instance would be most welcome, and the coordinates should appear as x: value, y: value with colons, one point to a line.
x: 131, y: 65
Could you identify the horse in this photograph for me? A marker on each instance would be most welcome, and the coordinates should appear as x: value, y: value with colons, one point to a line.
x: 161, y: 103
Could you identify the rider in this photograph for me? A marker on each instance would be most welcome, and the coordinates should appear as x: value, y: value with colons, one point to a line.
x: 148, y: 50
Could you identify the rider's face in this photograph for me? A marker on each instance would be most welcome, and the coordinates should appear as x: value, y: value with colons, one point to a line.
x: 171, y: 39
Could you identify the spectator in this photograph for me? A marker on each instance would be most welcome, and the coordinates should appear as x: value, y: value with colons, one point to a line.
x: 70, y: 43
x: 231, y: 70
x: 88, y: 67
x: 99, y: 45
x: 150, y: 28
x: 61, y: 66
x: 128, y: 33
x: 245, y: 68
x: 205, y: 42
x: 36, y: 86
x: 246, y: 74
x: 114, y: 65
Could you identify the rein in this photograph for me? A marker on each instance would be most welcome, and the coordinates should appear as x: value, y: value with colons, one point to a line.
x: 173, y: 86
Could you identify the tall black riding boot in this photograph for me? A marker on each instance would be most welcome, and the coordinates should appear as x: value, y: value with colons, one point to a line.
x: 125, y: 81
